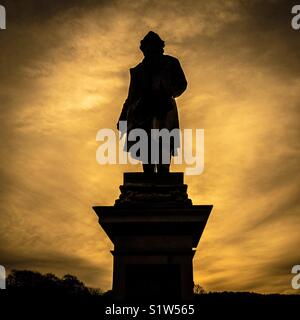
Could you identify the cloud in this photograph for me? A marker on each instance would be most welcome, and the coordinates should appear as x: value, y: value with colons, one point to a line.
x: 56, y: 262
x: 66, y: 70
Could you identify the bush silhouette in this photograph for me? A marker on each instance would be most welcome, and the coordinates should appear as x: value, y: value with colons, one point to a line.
x: 35, y: 282
x: 198, y: 289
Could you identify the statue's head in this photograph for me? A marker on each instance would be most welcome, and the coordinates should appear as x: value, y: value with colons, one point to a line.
x: 152, y: 44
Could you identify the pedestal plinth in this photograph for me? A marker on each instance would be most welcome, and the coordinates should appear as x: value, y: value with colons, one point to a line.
x: 155, y: 229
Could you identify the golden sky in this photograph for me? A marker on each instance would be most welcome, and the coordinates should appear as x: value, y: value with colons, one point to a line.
x: 64, y: 75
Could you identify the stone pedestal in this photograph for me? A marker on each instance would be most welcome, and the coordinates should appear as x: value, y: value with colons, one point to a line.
x: 155, y: 229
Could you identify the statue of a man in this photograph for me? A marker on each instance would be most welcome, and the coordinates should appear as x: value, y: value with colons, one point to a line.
x: 154, y: 85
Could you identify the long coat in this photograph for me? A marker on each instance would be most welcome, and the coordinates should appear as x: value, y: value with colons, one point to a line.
x: 154, y: 85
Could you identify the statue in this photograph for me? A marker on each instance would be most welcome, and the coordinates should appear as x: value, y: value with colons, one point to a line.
x: 153, y: 226
x: 154, y: 85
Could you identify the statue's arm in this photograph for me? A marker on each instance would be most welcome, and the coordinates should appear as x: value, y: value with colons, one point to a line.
x: 179, y: 82
x: 123, y: 115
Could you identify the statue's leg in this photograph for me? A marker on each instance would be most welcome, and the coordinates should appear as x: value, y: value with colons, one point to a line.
x: 149, y: 168
x: 163, y: 168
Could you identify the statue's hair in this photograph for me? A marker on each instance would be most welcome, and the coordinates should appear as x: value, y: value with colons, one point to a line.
x: 152, y: 39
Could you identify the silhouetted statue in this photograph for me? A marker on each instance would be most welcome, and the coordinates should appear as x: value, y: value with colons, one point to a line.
x: 154, y: 85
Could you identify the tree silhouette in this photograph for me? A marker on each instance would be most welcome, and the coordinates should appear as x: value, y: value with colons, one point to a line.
x: 31, y: 281
x: 73, y: 286
x: 198, y: 289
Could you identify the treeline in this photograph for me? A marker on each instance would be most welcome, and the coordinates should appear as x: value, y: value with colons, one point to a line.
x: 35, y: 282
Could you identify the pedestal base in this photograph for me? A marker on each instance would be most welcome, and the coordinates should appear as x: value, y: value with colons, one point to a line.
x: 154, y: 228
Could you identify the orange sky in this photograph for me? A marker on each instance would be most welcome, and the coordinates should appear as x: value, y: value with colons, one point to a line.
x: 64, y: 75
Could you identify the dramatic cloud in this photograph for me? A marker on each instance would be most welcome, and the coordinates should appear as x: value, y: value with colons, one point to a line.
x: 64, y: 75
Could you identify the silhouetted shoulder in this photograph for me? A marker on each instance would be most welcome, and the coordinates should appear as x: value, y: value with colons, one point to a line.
x: 136, y: 68
x: 170, y: 60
